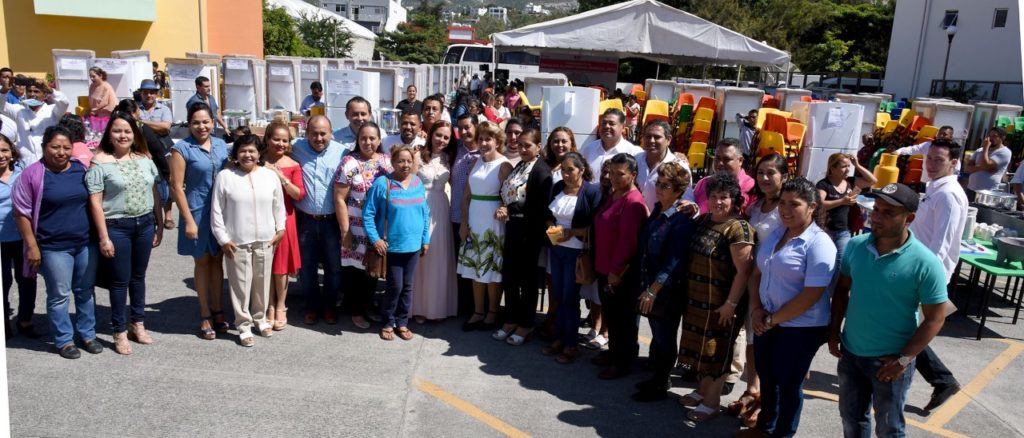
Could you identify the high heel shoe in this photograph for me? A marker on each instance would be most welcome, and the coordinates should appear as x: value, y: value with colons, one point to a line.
x: 206, y: 329
x: 471, y: 325
x: 220, y: 324
x: 515, y: 339
x: 488, y: 326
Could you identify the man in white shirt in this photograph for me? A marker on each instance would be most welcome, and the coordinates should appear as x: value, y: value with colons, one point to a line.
x: 32, y: 117
x: 945, y: 132
x: 939, y: 225
x: 610, y: 142
x: 407, y: 136
x: 656, y: 140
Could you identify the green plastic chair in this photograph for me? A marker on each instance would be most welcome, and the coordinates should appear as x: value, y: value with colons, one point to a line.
x: 685, y: 113
x: 1003, y: 121
x: 1019, y: 122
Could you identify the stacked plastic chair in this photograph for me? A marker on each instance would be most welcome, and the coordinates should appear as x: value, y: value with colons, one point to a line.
x: 655, y: 110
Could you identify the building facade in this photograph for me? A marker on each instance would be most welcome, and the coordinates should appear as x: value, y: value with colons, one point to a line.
x: 166, y: 28
x: 376, y: 15
x: 984, y: 55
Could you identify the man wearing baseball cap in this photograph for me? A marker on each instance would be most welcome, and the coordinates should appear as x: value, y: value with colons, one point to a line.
x: 885, y: 276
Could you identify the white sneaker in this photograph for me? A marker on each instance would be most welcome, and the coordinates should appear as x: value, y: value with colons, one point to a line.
x: 597, y: 343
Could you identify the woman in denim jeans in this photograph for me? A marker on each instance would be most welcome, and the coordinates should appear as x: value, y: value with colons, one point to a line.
x: 838, y: 192
x: 125, y: 205
x: 50, y: 202
x: 12, y: 247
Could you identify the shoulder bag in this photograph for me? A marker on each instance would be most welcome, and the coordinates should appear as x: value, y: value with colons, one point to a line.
x: 376, y: 264
x: 585, y: 263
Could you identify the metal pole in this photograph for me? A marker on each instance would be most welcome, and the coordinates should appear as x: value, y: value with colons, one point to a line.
x: 945, y: 66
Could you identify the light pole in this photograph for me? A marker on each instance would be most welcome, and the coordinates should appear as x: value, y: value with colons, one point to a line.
x: 950, y: 33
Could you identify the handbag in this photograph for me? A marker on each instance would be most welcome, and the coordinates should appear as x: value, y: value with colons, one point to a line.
x: 585, y: 263
x: 376, y: 264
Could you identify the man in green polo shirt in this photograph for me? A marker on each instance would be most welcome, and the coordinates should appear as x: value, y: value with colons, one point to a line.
x: 885, y: 277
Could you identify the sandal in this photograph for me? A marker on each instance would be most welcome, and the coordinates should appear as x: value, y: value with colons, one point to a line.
x: 692, y: 399
x: 419, y: 320
x: 206, y: 329
x: 740, y: 405
x: 169, y: 224
x: 281, y: 320
x: 359, y: 321
x: 568, y: 356
x: 553, y: 349
x: 749, y: 417
x: 218, y: 320
x: 387, y: 334
x: 405, y: 333
x: 703, y: 414
x: 471, y: 324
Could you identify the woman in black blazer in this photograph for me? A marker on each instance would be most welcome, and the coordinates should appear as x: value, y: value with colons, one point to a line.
x: 569, y: 216
x: 524, y: 194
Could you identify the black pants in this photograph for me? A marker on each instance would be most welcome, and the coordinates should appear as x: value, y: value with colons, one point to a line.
x: 618, y: 308
x: 519, y: 273
x: 465, y: 286
x: 359, y: 289
x: 664, y: 343
x: 12, y: 273
x: 933, y: 370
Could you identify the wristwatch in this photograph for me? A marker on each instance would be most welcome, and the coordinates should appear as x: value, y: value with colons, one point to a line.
x: 768, y: 320
x: 904, y: 361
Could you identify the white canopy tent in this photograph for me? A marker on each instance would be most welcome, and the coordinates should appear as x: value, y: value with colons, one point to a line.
x: 645, y: 29
x: 363, y: 40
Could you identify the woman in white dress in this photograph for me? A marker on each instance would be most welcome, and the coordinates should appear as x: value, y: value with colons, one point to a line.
x: 483, y: 227
x: 434, y: 281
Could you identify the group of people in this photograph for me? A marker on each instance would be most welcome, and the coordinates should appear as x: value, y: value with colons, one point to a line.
x: 761, y: 266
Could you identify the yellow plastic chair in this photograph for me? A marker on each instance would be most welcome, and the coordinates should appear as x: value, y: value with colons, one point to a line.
x: 523, y: 100
x: 890, y: 127
x: 771, y: 142
x: 605, y: 105
x: 697, y: 154
x: 795, y: 133
x: 881, y: 119
x: 656, y: 109
x: 907, y: 118
x: 927, y: 132
x: 704, y: 114
x: 681, y: 128
x: 702, y: 125
x: 762, y: 114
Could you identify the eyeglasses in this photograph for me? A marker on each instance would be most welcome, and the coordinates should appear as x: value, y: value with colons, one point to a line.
x: 665, y: 186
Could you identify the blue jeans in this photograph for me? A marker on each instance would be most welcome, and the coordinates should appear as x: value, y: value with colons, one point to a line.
x: 664, y: 341
x: 397, y: 301
x: 841, y: 238
x: 319, y: 244
x: 784, y: 356
x: 66, y: 272
x: 566, y: 293
x: 165, y: 192
x: 12, y: 272
x: 133, y: 243
x: 859, y: 389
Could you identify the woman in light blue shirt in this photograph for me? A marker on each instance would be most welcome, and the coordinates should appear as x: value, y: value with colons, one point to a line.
x: 11, y: 245
x: 789, y: 305
x: 195, y: 162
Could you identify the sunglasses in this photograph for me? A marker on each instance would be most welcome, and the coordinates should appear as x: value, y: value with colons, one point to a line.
x: 665, y: 186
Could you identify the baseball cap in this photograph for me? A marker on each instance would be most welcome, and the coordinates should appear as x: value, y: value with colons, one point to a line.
x: 898, y: 195
x: 148, y: 84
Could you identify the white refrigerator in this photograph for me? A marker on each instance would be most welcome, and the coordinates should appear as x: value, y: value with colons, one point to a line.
x: 71, y: 68
x: 732, y: 101
x: 832, y: 127
x: 342, y: 85
x: 573, y: 107
x: 284, y: 90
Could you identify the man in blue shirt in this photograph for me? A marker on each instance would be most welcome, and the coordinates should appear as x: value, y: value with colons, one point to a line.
x: 319, y: 234
x: 886, y: 276
x: 316, y: 94
x: 204, y: 95
x: 358, y: 111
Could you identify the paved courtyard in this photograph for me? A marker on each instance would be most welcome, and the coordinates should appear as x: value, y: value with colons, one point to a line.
x: 340, y: 381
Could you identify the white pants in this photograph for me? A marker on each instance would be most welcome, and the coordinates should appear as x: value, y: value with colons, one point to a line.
x: 249, y: 278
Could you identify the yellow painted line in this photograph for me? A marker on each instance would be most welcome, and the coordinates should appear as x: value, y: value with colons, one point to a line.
x: 934, y: 429
x: 469, y: 409
x: 822, y: 395
x: 954, y: 405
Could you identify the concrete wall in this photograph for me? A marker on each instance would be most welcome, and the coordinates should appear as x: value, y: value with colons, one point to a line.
x: 235, y: 27
x: 979, y: 52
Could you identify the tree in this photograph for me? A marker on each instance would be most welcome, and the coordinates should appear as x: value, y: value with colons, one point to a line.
x: 326, y: 35
x: 280, y: 36
x: 422, y: 40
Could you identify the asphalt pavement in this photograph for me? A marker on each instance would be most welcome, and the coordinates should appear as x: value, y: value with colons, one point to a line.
x: 341, y: 381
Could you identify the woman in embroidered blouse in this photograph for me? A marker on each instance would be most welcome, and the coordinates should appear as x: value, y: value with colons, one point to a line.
x: 525, y: 195
x: 400, y: 199
x: 286, y: 257
x: 248, y: 220
x: 720, y: 261
x: 436, y: 290
x: 616, y: 238
x: 356, y: 174
x: 125, y: 205
x: 195, y: 162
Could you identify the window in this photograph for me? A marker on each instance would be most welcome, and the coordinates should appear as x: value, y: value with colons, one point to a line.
x: 999, y: 20
x: 454, y: 55
x: 337, y: 8
x: 342, y: 8
x: 478, y: 54
x: 950, y: 18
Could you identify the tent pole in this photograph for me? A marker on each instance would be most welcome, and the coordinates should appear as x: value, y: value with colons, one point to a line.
x: 705, y: 72
x: 657, y: 71
x: 739, y: 73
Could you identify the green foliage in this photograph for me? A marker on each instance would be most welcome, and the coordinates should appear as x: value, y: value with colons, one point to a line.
x: 423, y: 39
x: 326, y: 35
x: 280, y: 36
